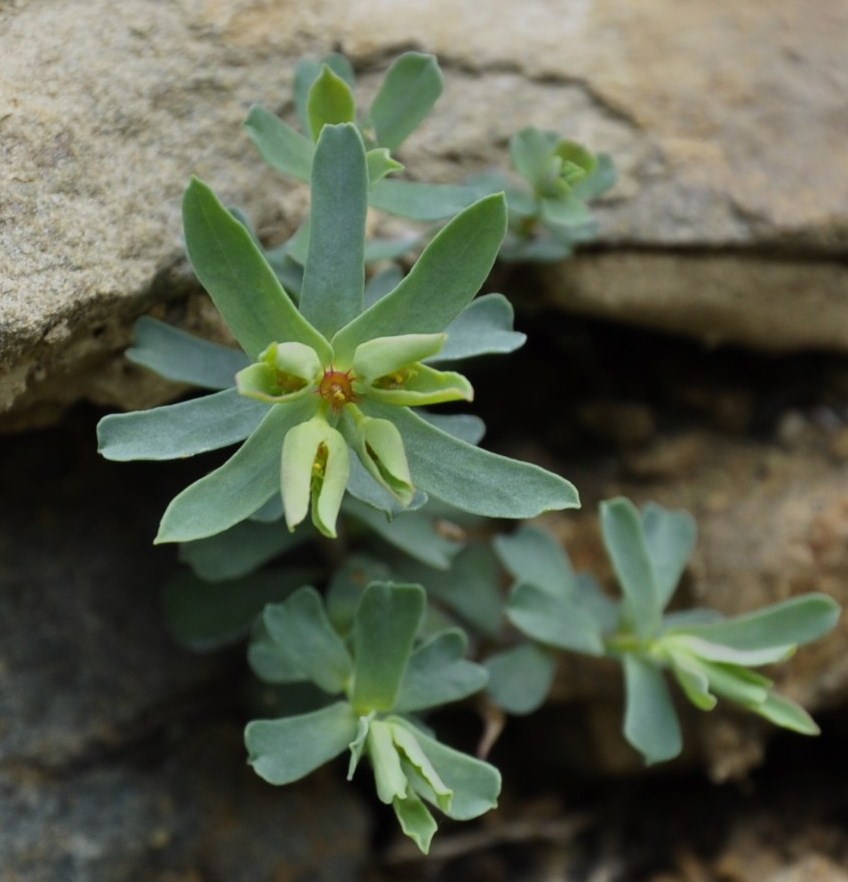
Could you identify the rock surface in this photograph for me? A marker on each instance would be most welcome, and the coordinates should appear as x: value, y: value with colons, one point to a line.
x: 727, y: 129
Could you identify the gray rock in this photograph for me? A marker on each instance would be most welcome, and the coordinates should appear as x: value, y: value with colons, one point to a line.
x: 727, y: 130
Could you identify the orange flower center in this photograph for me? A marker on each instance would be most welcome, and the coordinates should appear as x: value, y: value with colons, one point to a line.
x: 337, y: 388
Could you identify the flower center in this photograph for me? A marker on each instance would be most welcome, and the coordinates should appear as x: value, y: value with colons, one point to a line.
x: 337, y: 388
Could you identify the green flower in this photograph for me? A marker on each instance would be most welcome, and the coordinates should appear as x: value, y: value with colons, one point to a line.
x: 330, y: 375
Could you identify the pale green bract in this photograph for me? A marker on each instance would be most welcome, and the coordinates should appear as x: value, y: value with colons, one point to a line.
x: 330, y: 380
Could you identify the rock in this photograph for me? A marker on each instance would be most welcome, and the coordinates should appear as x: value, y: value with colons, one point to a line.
x: 121, y: 755
x: 727, y: 131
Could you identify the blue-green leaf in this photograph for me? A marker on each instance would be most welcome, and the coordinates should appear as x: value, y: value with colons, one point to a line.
x: 384, y: 629
x: 334, y: 276
x: 179, y: 430
x: 307, y: 71
x: 484, y: 327
x: 650, y: 721
x: 415, y: 820
x: 443, y: 281
x: 285, y: 750
x: 798, y: 620
x: 302, y: 627
x: 410, y: 89
x: 414, y: 533
x: 204, y: 615
x: 520, y: 677
x: 475, y: 784
x: 532, y: 555
x: 624, y: 540
x: 531, y: 151
x: 787, y: 714
x: 419, y: 201
x: 272, y: 662
x: 283, y: 148
x: 240, y: 550
x: 554, y: 619
x: 182, y: 357
x: 437, y: 674
x: 472, y: 479
x: 239, y: 280
x: 245, y: 482
x: 346, y: 586
x: 670, y: 538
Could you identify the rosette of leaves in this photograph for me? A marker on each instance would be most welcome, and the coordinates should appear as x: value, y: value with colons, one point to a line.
x: 374, y: 677
x: 549, y: 215
x: 331, y: 375
x: 708, y: 655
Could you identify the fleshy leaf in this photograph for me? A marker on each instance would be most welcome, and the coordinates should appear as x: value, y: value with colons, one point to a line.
x: 271, y: 662
x: 693, y: 680
x: 245, y: 482
x: 363, y: 486
x: 534, y: 556
x: 414, y: 533
x: 472, y: 479
x: 182, y: 357
x: 650, y: 721
x: 420, y: 385
x: 285, y: 750
x: 285, y: 372
x: 475, y: 784
x: 239, y: 550
x: 420, y: 201
x: 415, y: 820
x: 300, y: 624
x: 484, y: 327
x: 380, y: 449
x: 381, y: 356
x: 283, y: 148
x: 179, y: 430
x: 346, y: 586
x: 384, y: 629
x: 385, y: 761
x: 786, y: 713
x: 239, y: 280
x: 531, y: 151
x: 798, y: 620
x: 624, y: 541
x: 307, y: 70
x: 330, y: 102
x: 438, y: 674
x: 554, y: 619
x: 358, y: 745
x: 410, y: 89
x: 670, y: 538
x: 442, y: 282
x: 567, y: 211
x: 717, y: 652
x: 334, y: 276
x: 380, y: 164
x: 205, y: 615
x: 520, y: 677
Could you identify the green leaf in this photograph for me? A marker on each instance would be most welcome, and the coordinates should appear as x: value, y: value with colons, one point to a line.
x: 205, y: 615
x: 380, y: 449
x: 464, y: 426
x: 471, y: 587
x: 602, y: 179
x: 239, y: 280
x: 358, y: 745
x: 182, y: 357
x: 650, y: 721
x: 239, y: 550
x: 334, y: 276
x: 346, y: 586
x: 283, y: 148
x: 554, y: 619
x: 414, y: 533
x: 443, y: 281
x: 693, y: 680
x: 245, y: 482
x: 362, y: 485
x: 385, y: 355
x: 472, y: 479
x: 179, y: 430
x: 330, y: 102
x: 384, y: 630
x: 285, y: 750
x: 307, y: 71
x: 415, y: 820
x: 717, y: 652
x: 534, y: 556
x: 410, y: 89
x: 786, y: 713
x: 475, y: 784
x: 520, y: 677
x: 736, y: 683
x: 566, y: 211
x: 385, y: 762
x: 380, y: 164
x: 670, y: 538
x: 272, y: 663
x: 301, y: 626
x: 624, y: 540
x: 484, y: 327
x: 797, y: 621
x: 531, y: 151
x: 419, y: 201
x: 377, y: 250
x: 438, y: 674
